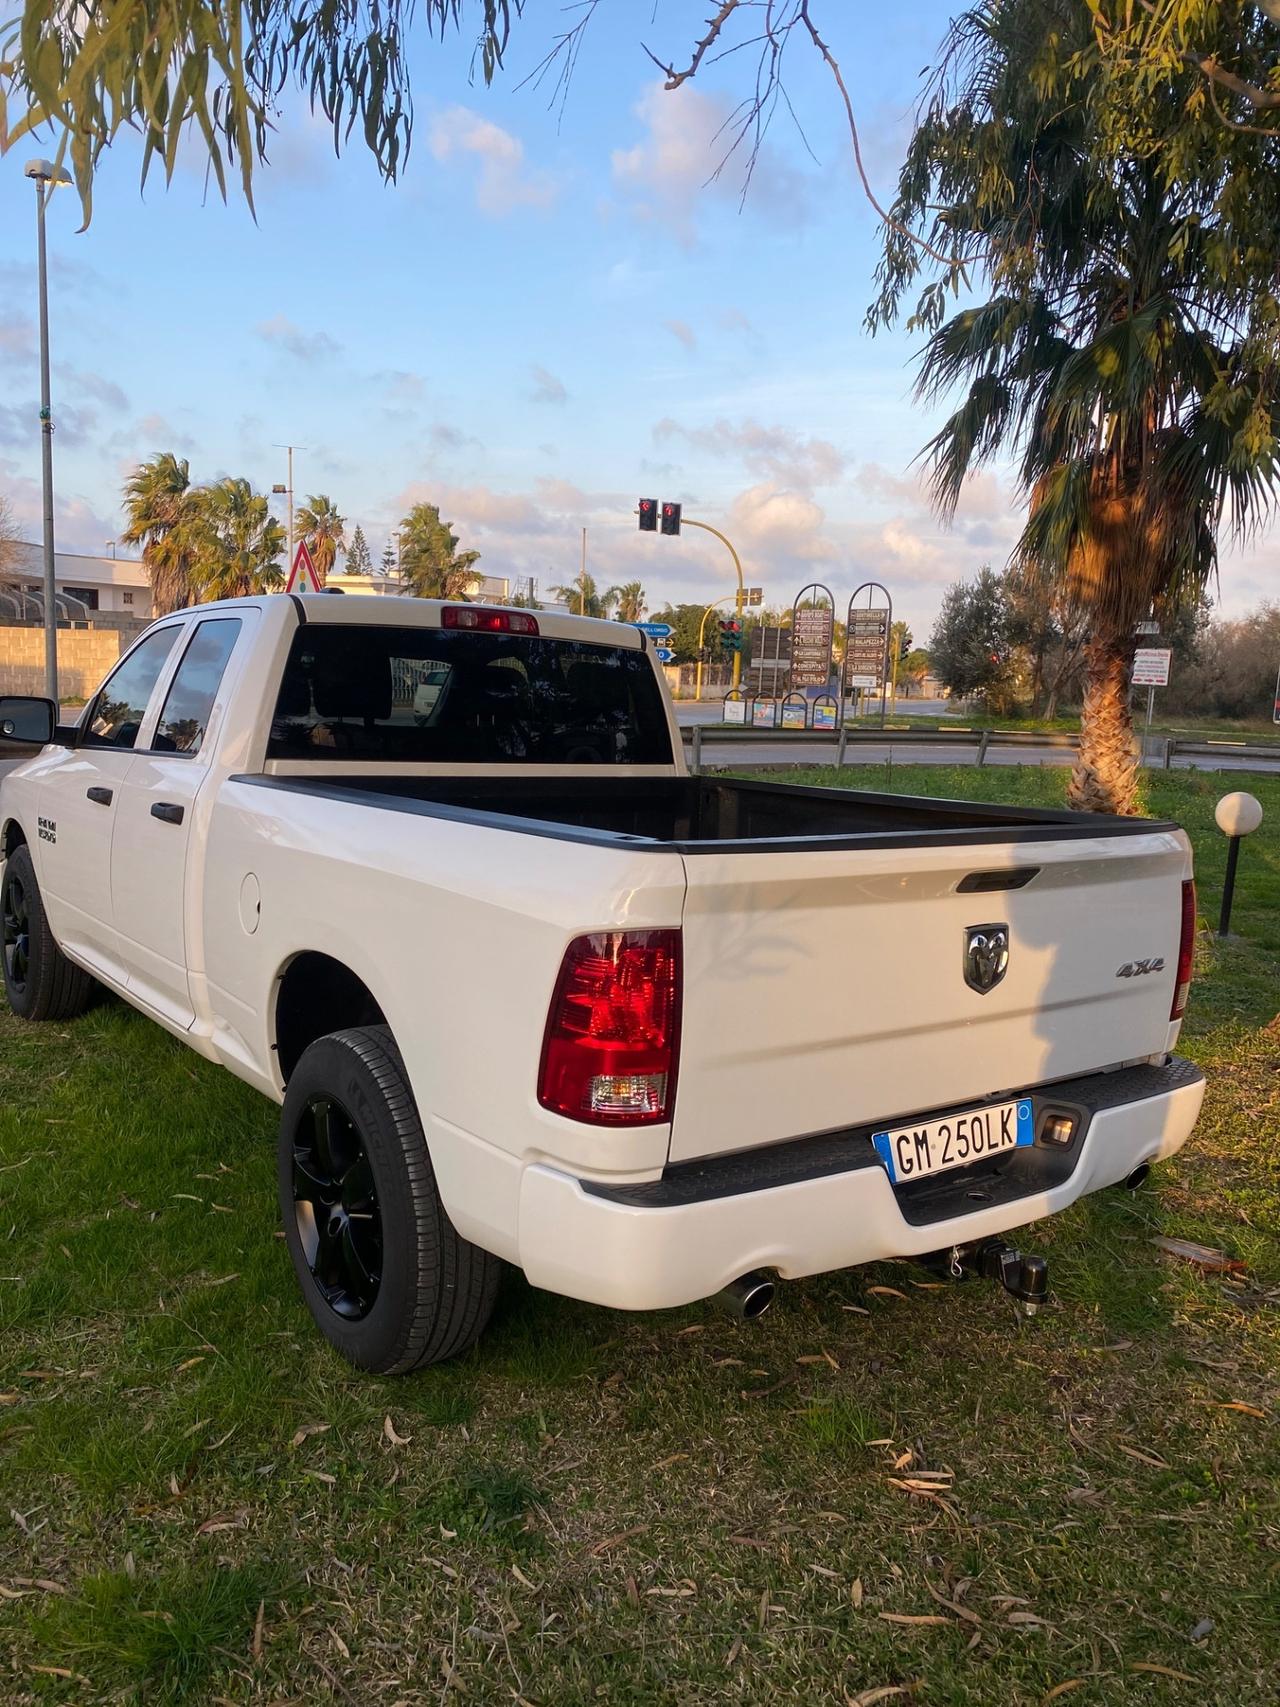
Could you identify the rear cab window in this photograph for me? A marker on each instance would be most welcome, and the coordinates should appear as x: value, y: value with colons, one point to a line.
x: 445, y: 696
x: 190, y: 699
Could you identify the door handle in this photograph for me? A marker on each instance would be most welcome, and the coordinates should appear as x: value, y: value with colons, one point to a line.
x: 99, y: 796
x: 166, y: 813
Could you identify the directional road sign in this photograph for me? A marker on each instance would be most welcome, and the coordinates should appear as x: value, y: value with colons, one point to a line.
x: 655, y: 630
x: 664, y: 654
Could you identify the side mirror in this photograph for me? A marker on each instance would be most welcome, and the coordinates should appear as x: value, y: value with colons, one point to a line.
x: 27, y: 722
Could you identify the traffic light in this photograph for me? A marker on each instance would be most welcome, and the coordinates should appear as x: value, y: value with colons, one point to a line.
x: 731, y: 636
x: 670, y: 518
x: 649, y: 516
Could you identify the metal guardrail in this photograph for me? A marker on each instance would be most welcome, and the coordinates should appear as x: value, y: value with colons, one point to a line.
x: 1161, y: 751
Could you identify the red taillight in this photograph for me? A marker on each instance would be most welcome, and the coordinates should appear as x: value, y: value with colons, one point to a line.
x: 613, y: 1032
x: 482, y: 620
x: 1186, y: 951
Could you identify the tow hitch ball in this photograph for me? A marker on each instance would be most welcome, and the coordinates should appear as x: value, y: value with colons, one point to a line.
x: 1025, y: 1278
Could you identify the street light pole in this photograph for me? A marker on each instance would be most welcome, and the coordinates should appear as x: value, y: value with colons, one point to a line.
x: 289, y: 490
x: 702, y: 629
x: 741, y: 595
x: 46, y: 177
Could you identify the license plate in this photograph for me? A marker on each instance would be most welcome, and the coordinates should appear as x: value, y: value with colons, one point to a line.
x: 932, y: 1146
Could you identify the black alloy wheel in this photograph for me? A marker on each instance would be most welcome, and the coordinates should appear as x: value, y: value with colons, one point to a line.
x: 336, y: 1204
x: 16, y: 927
x: 388, y: 1279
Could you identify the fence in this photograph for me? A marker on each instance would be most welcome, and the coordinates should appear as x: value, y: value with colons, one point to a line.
x: 1161, y: 753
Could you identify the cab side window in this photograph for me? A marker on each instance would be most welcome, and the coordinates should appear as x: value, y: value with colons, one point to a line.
x: 194, y: 688
x: 115, y: 717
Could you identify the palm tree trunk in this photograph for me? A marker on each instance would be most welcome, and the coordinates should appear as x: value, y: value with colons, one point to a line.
x: 1105, y: 775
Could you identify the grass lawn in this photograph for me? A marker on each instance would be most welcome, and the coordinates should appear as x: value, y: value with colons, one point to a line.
x: 884, y: 1485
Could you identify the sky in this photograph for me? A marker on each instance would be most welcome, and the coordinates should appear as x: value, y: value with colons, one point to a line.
x: 559, y: 308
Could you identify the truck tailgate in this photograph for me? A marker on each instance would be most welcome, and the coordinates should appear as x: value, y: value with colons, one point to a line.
x: 825, y: 988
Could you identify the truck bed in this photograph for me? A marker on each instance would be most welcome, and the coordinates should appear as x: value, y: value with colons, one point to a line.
x: 700, y: 814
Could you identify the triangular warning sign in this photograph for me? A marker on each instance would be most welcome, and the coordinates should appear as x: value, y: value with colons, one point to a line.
x: 302, y: 577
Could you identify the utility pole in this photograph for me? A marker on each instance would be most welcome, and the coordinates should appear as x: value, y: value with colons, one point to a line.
x: 46, y: 177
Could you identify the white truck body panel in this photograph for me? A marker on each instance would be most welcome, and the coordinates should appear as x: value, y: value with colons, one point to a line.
x: 827, y: 993
x: 822, y: 985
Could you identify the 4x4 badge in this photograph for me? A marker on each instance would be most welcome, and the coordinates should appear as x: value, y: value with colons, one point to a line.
x: 986, y: 956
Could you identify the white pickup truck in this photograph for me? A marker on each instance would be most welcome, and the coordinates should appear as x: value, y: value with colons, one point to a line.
x: 531, y: 993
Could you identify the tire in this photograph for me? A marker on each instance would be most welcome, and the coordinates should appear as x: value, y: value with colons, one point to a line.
x: 40, y: 983
x: 390, y: 1282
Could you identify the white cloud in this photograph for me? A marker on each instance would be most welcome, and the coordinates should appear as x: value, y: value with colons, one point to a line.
x: 734, y: 320
x: 281, y: 332
x: 683, y: 333
x: 784, y: 526
x: 503, y: 181
x: 776, y: 453
x: 546, y: 387
x: 687, y: 151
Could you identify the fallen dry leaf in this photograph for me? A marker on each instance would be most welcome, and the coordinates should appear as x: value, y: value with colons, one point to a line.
x: 306, y: 1431
x: 339, y: 1644
x: 953, y: 1606
x: 1239, y: 1405
x: 255, y: 1647
x: 913, y: 1618
x: 887, y: 1292
x: 1161, y: 1671
x: 216, y: 1525
x: 1059, y: 1689
x: 615, y: 1540
x: 1143, y: 1457
x: 1203, y: 1256
x: 886, y: 1692
x: 856, y: 1592
x: 389, y: 1429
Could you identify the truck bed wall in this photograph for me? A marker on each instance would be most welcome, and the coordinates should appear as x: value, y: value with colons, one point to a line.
x: 688, y: 811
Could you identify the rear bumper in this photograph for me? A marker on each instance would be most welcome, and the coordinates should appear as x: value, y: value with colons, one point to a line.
x: 683, y: 1239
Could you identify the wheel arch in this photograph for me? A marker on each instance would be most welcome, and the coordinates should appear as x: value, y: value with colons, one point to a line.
x: 315, y: 994
x: 12, y: 837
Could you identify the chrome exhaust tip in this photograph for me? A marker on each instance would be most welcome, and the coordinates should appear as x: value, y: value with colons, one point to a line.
x: 748, y: 1297
x: 1138, y: 1176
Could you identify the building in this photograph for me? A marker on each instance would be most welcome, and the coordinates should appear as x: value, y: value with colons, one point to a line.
x: 482, y: 590
x: 88, y: 587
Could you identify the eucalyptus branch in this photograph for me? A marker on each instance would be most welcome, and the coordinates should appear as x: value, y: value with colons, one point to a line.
x: 893, y: 224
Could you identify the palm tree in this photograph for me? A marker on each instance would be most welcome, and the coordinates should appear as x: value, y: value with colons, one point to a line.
x: 431, y: 566
x: 323, y: 530
x: 627, y: 601
x: 162, y: 511
x: 1126, y: 354
x: 240, y: 542
x: 583, y: 597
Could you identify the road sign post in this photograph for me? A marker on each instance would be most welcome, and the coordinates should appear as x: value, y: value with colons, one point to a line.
x: 303, y: 577
x: 1150, y: 671
x: 812, y: 636
x: 866, y: 646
